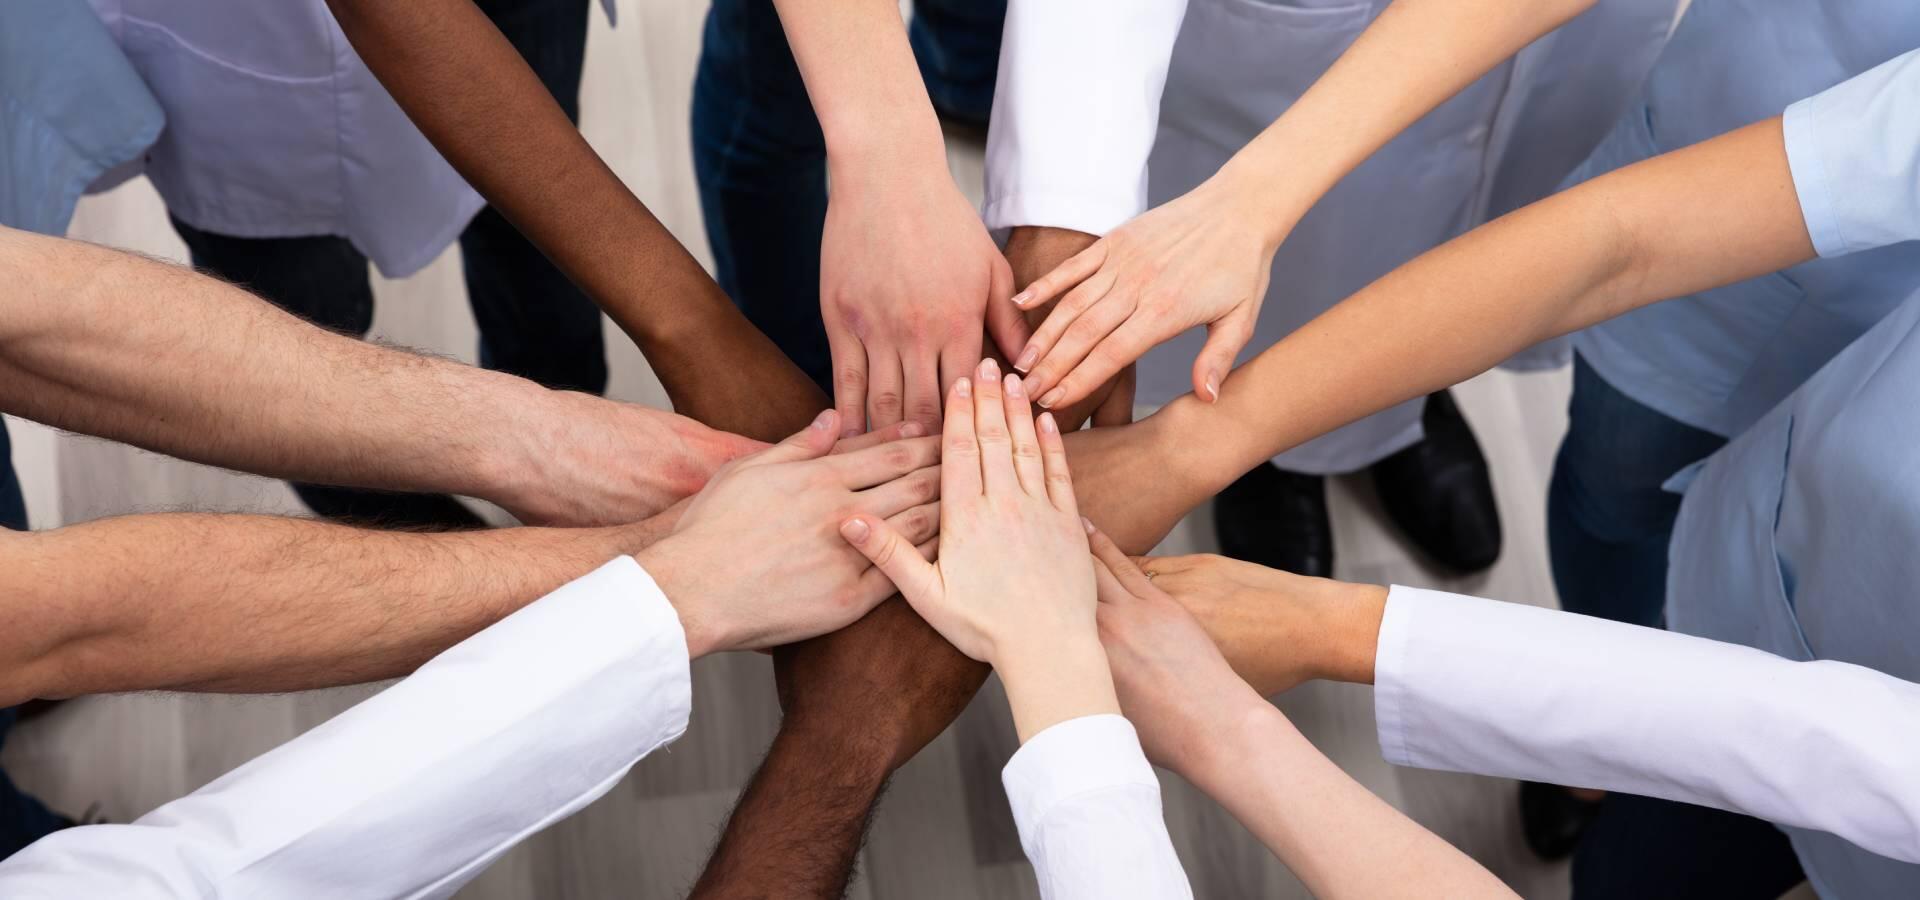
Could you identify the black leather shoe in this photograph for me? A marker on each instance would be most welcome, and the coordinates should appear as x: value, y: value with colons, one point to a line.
x: 1439, y: 493
x: 1277, y: 519
x: 1552, y: 819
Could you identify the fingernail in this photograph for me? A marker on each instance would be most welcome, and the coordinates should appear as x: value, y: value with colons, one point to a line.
x: 1015, y: 389
x: 1022, y: 298
x: 911, y: 429
x: 1083, y: 520
x: 989, y: 370
x: 855, y: 530
x: 824, y: 419
x: 1047, y: 424
x: 1027, y: 359
x: 1213, y: 386
x: 963, y: 388
x: 1052, y: 397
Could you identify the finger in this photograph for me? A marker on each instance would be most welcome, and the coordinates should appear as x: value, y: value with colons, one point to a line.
x: 874, y: 587
x: 1027, y: 466
x: 1053, y: 459
x: 886, y: 388
x: 990, y: 431
x: 1225, y: 339
x: 876, y: 438
x: 1079, y: 339
x: 1117, y: 561
x: 900, y: 494
x: 919, y: 524
x: 1006, y: 324
x: 810, y: 442
x: 1077, y: 268
x: 892, y: 555
x: 878, y: 465
x: 923, y: 389
x: 1112, y: 355
x: 959, y: 358
x: 849, y: 381
x: 959, y: 449
x: 1117, y: 409
x: 1088, y: 295
x: 1107, y: 587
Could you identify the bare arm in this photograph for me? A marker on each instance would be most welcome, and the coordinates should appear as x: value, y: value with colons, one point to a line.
x: 235, y: 603
x: 116, y: 345
x: 462, y: 83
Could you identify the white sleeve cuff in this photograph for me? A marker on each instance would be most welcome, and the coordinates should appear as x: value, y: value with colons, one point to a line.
x: 1071, y: 759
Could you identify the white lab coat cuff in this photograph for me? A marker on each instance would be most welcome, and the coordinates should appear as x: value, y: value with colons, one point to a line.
x: 1075, y: 758
x: 1093, y: 212
x: 1391, y: 686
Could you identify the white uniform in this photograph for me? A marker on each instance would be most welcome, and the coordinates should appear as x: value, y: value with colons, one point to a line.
x: 1081, y: 96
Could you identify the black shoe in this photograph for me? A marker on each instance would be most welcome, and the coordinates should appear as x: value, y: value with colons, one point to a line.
x: 1277, y: 519
x: 1552, y: 819
x: 1439, y: 493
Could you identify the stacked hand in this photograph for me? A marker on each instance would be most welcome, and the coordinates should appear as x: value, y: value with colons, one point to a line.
x: 756, y: 560
x: 1201, y: 259
x: 1013, y: 586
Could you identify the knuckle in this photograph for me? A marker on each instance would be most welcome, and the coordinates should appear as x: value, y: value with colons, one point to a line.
x: 897, y: 457
x: 888, y: 400
x: 850, y: 379
x: 961, y: 446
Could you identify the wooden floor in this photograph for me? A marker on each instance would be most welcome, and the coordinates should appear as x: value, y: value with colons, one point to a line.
x: 944, y: 830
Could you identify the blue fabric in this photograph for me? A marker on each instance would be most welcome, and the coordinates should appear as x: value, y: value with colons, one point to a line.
x: 1798, y: 538
x: 1640, y: 847
x: 1719, y: 359
x: 71, y: 107
x: 1609, y: 519
x: 761, y: 161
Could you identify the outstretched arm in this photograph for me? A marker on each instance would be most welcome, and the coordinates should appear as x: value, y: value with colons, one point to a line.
x: 116, y: 345
x: 462, y: 83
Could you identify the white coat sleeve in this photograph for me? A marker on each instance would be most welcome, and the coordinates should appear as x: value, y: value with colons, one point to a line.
x: 1075, y: 110
x: 415, y: 791
x: 1088, y: 809
x: 1471, y: 685
x: 1854, y: 150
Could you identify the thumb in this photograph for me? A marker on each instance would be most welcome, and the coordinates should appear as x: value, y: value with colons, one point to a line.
x: 1225, y: 338
x: 1006, y: 323
x: 900, y: 561
x: 812, y: 442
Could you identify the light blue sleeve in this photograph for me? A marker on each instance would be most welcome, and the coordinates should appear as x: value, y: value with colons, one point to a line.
x: 1855, y: 154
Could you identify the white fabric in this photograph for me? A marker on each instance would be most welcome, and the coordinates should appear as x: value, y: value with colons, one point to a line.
x: 1088, y: 809
x: 1855, y: 154
x: 1471, y: 685
x: 416, y: 791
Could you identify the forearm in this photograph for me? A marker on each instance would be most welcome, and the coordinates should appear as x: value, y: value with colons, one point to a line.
x: 235, y: 603
x: 800, y: 823
x: 1651, y: 231
x: 863, y: 83
x: 1413, y: 57
x: 1336, y: 835
x: 468, y: 91
x: 111, y: 344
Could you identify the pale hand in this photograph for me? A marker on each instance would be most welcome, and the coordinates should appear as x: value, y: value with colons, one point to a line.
x: 1200, y: 259
x: 757, y: 560
x: 908, y: 276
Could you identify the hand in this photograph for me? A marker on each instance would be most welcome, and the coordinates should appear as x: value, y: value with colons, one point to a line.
x: 1033, y: 251
x: 756, y: 560
x: 1173, y: 683
x: 1012, y: 586
x: 599, y: 462
x: 1276, y: 628
x: 907, y: 275
x: 1201, y: 259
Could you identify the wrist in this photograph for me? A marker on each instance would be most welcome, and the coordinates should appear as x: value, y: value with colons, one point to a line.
x: 704, y: 626
x: 509, y: 469
x: 1349, y: 620
x: 881, y: 159
x: 1269, y: 206
x: 1206, y: 466
x: 1237, y: 738
x: 1052, y: 683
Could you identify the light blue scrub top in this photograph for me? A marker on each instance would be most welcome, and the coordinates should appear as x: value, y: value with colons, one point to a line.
x: 1719, y: 359
x: 71, y: 108
x: 1802, y: 536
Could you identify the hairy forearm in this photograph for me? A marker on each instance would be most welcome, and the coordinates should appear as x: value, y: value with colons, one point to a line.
x: 800, y: 823
x: 462, y: 83
x: 1336, y: 835
x: 244, y: 604
x: 1414, y: 56
x: 1709, y: 215
x: 111, y: 344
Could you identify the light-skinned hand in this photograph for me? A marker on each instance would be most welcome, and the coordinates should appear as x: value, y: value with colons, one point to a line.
x: 908, y: 276
x: 1013, y: 586
x: 1201, y: 259
x: 757, y: 559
